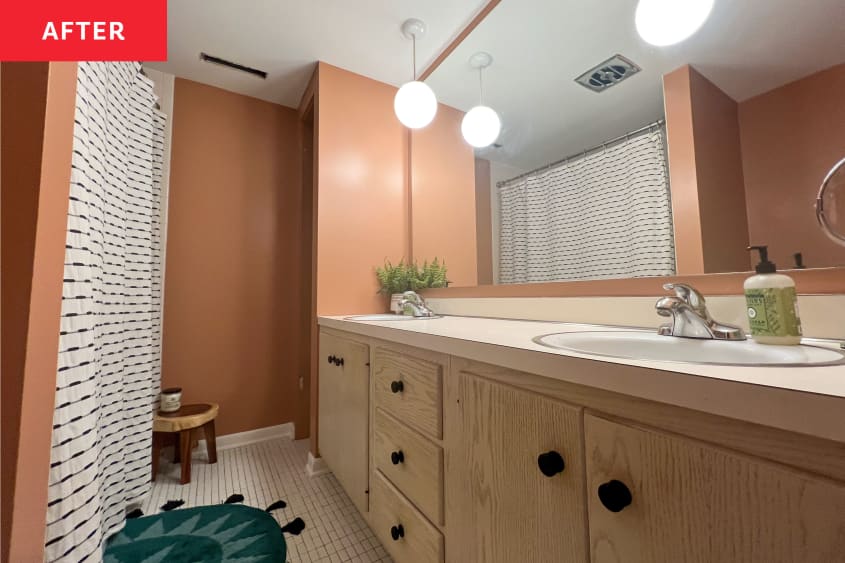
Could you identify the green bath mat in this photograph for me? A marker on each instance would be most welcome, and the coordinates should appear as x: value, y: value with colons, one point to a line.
x: 208, y: 534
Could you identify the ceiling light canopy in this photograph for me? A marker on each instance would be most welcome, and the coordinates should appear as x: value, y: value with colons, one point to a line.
x: 415, y: 103
x: 666, y: 22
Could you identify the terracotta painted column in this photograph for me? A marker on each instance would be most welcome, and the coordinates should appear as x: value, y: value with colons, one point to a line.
x: 706, y: 176
x: 38, y: 101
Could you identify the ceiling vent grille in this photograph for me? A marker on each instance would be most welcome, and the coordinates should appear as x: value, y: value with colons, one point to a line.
x: 609, y: 73
x: 223, y: 62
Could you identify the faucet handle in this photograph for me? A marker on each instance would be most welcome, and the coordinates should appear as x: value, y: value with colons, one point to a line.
x: 413, y: 297
x: 687, y: 294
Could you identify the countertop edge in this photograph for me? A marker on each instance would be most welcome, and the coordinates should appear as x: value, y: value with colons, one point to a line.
x: 804, y: 412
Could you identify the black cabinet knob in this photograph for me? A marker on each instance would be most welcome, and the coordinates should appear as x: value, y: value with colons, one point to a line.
x: 397, y: 532
x: 615, y: 495
x: 397, y: 457
x: 331, y: 359
x: 339, y: 362
x: 397, y: 386
x: 550, y: 463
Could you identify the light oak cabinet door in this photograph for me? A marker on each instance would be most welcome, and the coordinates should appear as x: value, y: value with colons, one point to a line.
x: 344, y: 414
x: 690, y: 502
x: 500, y: 505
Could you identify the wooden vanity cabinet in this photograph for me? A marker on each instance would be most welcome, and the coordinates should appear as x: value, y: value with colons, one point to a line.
x: 344, y: 376
x: 655, y: 497
x: 471, y: 462
x: 514, y: 475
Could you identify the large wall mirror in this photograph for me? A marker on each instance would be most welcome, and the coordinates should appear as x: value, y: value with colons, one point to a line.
x: 620, y: 159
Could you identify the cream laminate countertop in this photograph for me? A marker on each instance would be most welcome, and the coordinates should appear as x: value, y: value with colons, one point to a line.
x: 809, y: 400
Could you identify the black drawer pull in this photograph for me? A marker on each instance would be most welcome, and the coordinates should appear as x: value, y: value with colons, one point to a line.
x: 397, y: 457
x: 338, y: 361
x: 331, y: 359
x: 551, y: 463
x: 615, y: 495
x: 397, y: 386
x: 397, y: 532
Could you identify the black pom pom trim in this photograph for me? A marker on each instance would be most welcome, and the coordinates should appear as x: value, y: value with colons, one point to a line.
x: 276, y: 506
x: 171, y: 504
x: 233, y: 499
x: 294, y: 527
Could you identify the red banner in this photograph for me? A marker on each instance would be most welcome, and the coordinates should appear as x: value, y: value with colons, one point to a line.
x: 83, y: 30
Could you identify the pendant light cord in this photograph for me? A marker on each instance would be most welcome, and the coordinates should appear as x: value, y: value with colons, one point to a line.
x: 414, y: 40
x: 480, y: 87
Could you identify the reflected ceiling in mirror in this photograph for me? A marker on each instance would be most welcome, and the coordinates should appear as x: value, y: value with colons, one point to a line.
x: 540, y: 47
x: 739, y: 124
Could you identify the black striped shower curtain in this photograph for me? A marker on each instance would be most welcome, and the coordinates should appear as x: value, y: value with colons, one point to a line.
x: 603, y: 215
x: 109, y: 347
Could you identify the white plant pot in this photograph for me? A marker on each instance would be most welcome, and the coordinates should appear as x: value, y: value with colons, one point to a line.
x: 394, y: 303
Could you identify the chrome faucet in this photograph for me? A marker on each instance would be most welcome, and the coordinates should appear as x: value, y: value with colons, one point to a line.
x: 690, y: 317
x: 414, y: 305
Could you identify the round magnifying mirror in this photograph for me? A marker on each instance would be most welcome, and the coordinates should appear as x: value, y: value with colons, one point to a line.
x: 830, y: 203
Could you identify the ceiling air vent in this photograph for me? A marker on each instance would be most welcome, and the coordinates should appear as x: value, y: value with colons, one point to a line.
x: 223, y: 62
x: 609, y: 73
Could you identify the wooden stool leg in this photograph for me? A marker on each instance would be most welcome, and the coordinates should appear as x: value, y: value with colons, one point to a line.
x: 177, y: 447
x: 156, y: 453
x: 210, y: 441
x: 185, y: 447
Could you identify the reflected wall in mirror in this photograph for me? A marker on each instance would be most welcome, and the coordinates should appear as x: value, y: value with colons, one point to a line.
x: 659, y: 161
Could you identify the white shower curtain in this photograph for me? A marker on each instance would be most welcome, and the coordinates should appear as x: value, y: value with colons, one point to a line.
x: 605, y: 215
x: 109, y: 346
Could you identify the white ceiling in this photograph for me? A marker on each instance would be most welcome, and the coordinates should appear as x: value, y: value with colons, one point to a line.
x: 286, y: 37
x: 540, y: 46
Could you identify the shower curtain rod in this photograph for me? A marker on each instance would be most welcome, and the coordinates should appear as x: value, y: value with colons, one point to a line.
x: 583, y: 153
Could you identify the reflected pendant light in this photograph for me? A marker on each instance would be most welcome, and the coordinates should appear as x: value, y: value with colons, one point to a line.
x: 481, y: 125
x: 415, y: 103
x: 666, y: 22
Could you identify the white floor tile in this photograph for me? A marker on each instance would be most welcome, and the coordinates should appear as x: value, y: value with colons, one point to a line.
x: 264, y: 473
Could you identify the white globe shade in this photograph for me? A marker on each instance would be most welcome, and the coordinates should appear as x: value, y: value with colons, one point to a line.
x: 666, y: 22
x: 481, y: 126
x: 415, y: 104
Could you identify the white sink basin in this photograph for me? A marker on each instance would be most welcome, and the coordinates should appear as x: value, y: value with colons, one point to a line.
x: 388, y: 317
x: 649, y: 346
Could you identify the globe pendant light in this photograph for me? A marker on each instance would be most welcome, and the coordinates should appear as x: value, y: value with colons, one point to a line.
x: 481, y: 125
x: 666, y: 22
x: 415, y: 103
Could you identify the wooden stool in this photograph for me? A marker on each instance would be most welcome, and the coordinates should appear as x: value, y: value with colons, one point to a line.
x: 184, y: 423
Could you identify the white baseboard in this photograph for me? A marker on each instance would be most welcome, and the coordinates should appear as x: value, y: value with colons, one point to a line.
x: 229, y: 441
x: 316, y: 466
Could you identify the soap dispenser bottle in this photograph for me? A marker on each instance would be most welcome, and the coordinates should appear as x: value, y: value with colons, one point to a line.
x: 772, y: 304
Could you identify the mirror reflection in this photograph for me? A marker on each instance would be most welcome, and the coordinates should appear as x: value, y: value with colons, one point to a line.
x: 620, y: 157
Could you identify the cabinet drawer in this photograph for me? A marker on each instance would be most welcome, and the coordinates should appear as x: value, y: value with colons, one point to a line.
x: 392, y: 515
x: 675, y: 499
x: 413, y: 463
x: 410, y: 389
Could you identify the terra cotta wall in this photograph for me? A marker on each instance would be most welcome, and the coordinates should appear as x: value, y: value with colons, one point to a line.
x: 232, y: 297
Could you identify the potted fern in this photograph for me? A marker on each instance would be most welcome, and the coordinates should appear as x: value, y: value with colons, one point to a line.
x: 394, y: 280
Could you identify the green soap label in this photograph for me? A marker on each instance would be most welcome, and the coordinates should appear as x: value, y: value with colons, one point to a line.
x: 773, y: 311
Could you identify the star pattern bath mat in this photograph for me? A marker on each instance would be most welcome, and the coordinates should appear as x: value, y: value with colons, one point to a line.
x: 209, y: 534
